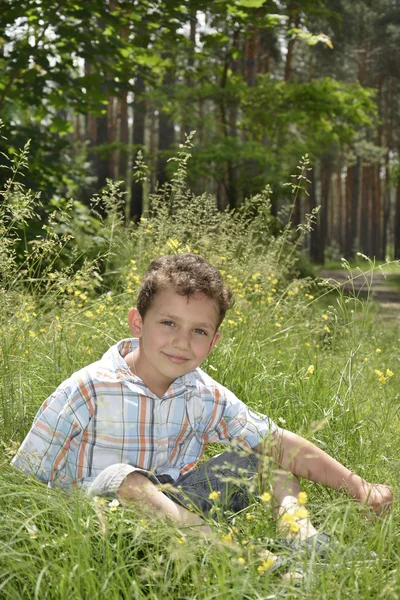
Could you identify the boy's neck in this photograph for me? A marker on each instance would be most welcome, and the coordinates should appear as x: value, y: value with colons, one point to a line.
x: 158, y: 390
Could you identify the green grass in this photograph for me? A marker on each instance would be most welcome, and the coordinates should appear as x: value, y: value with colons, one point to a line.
x: 53, y: 546
x: 57, y: 315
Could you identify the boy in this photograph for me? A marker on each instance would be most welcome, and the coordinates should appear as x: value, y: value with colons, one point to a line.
x: 143, y: 415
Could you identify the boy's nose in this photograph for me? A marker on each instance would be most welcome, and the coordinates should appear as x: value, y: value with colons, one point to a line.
x: 181, y: 340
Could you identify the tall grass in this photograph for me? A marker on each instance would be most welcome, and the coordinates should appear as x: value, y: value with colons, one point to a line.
x: 311, y: 365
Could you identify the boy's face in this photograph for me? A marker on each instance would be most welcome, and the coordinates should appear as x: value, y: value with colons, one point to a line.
x: 176, y: 335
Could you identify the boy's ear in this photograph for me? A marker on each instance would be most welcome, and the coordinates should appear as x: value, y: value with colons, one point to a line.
x: 217, y: 336
x: 135, y: 322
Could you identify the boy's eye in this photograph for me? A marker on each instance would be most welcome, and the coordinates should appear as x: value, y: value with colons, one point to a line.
x: 200, y: 331
x: 168, y: 323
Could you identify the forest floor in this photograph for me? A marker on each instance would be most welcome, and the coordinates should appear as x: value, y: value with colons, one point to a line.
x: 375, y: 285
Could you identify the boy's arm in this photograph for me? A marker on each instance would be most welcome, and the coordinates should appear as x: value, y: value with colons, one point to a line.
x: 304, y: 459
x: 45, y: 448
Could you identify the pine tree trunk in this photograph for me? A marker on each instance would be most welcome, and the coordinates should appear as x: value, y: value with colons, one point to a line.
x: 139, y: 119
x: 250, y: 56
x: 352, y: 202
x: 123, y: 134
x: 397, y: 225
x: 364, y: 236
x: 314, y: 234
x: 341, y: 220
x: 294, y: 22
x: 166, y: 133
x: 325, y: 178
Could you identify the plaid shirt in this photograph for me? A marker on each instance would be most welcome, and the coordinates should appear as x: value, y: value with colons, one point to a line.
x: 104, y: 415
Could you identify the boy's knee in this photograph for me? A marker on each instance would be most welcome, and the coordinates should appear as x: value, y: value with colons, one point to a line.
x: 132, y: 484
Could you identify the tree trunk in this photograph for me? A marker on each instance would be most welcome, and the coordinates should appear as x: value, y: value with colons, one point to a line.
x: 166, y: 132
x: 251, y: 54
x: 364, y: 235
x: 352, y: 202
x: 123, y: 134
x: 188, y: 125
x: 340, y: 235
x: 314, y: 235
x: 139, y: 118
x: 294, y: 22
x: 397, y: 225
x: 325, y: 178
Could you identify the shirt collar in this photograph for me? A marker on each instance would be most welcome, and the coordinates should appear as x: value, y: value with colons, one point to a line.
x: 121, y: 370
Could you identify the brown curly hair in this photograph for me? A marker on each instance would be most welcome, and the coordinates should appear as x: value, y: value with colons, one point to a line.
x: 186, y: 274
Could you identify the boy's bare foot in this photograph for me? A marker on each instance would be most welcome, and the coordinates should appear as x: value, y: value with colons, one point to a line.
x: 293, y: 521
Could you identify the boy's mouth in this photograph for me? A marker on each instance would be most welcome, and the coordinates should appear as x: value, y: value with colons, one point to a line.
x: 176, y: 359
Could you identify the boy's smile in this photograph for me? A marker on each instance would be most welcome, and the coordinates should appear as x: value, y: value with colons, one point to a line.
x: 176, y: 335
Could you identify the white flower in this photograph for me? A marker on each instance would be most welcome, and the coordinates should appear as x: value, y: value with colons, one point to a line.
x: 113, y: 505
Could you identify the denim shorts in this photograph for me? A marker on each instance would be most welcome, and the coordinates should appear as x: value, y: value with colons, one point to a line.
x: 232, y: 474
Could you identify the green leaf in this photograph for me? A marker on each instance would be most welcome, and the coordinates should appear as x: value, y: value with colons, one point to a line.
x: 250, y: 3
x: 61, y: 126
x: 125, y: 52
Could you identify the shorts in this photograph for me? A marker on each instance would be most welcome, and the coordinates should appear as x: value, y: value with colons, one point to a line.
x: 230, y: 473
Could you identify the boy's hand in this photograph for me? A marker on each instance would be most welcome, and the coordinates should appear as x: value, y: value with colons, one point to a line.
x: 376, y: 495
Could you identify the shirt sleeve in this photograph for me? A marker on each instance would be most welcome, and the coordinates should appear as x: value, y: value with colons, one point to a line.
x: 56, y: 429
x: 237, y: 422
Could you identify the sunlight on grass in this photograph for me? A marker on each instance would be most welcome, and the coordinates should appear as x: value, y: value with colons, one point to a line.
x: 314, y: 361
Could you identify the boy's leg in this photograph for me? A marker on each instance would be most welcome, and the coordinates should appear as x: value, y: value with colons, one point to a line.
x: 235, y: 476
x: 232, y: 476
x: 286, y: 490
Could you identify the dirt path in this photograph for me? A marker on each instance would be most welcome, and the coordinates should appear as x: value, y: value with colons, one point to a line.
x: 373, y: 285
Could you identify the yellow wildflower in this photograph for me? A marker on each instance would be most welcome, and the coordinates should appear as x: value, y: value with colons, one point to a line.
x: 249, y: 517
x: 326, y: 328
x: 378, y: 372
x: 173, y: 244
x: 308, y: 344
x: 228, y: 537
x: 311, y: 369
x: 389, y: 373
x: 289, y: 518
x: 32, y: 334
x: 378, y: 351
x: 301, y: 513
x: 265, y: 497
x: 266, y: 564
x: 214, y: 495
x: 325, y: 317
x: 241, y: 561
x: 302, y: 498
x: 382, y: 379
x: 294, y: 527
x: 181, y: 540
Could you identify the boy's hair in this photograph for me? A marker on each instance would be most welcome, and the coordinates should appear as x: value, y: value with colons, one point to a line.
x: 186, y: 274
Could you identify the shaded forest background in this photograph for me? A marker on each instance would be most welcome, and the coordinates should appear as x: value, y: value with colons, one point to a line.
x: 262, y: 82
